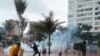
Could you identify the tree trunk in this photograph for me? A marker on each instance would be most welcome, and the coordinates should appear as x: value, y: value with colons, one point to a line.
x: 20, y: 30
x: 22, y: 34
x: 49, y: 45
x: 84, y: 49
x: 83, y: 53
x: 78, y: 52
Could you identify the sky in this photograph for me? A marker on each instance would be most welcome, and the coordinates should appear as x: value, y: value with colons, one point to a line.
x: 35, y: 9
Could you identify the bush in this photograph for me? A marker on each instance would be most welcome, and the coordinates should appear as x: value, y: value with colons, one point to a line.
x: 98, y: 43
x: 15, y: 38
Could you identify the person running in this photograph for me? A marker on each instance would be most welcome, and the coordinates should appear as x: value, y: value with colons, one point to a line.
x: 35, y: 48
x: 14, y: 49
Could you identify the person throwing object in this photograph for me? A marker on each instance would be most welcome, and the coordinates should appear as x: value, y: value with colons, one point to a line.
x: 35, y: 48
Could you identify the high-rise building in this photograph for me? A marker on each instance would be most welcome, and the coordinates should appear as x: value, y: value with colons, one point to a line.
x: 85, y: 12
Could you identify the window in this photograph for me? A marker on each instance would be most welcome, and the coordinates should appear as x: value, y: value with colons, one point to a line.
x: 97, y: 18
x: 97, y: 23
x: 97, y: 3
x: 97, y: 13
x: 85, y: 5
x: 84, y: 14
x: 70, y: 20
x: 87, y: 23
x: 97, y: 8
x: 86, y: 9
x: 80, y: 10
x: 97, y: 28
x: 79, y: 6
x: 80, y: 1
x: 84, y: 19
x: 70, y: 16
x: 86, y: 0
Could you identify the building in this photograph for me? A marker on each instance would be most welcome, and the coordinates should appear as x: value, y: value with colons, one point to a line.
x: 85, y: 12
x: 14, y: 31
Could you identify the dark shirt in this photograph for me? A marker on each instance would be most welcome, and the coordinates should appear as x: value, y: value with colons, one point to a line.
x: 35, y: 47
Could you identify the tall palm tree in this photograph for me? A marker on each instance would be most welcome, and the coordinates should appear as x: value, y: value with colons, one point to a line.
x: 49, y: 25
x: 20, y: 8
x: 46, y: 27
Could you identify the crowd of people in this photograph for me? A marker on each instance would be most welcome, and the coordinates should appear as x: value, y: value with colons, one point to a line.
x: 15, y: 49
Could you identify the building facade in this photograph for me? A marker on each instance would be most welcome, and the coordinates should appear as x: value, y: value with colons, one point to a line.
x: 85, y: 12
x: 14, y: 31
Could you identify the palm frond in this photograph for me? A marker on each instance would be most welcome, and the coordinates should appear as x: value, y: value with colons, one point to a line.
x: 20, y: 6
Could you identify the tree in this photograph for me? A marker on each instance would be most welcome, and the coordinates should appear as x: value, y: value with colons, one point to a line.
x: 15, y: 38
x: 81, y: 47
x: 98, y: 43
x: 84, y: 32
x: 20, y: 8
x: 98, y: 39
x: 8, y: 26
x: 35, y: 30
x: 49, y: 25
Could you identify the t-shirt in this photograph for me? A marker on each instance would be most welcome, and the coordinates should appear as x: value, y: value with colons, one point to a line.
x: 13, y: 50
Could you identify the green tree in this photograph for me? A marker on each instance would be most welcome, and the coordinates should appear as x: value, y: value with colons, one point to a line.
x: 8, y: 26
x: 98, y: 43
x: 80, y: 47
x: 15, y: 38
x: 35, y: 30
x: 84, y: 32
x: 49, y: 25
x: 98, y: 39
x: 20, y: 8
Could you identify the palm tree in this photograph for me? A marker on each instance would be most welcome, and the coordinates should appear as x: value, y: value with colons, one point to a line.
x: 46, y: 27
x: 20, y: 8
x: 35, y: 30
x: 49, y: 25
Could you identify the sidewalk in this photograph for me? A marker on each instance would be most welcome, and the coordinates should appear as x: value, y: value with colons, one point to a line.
x: 52, y: 54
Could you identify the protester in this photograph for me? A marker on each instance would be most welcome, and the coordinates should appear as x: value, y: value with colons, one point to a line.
x: 14, y: 49
x: 35, y: 48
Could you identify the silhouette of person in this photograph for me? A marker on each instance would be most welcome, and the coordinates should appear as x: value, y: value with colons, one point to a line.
x: 35, y: 48
x: 14, y: 49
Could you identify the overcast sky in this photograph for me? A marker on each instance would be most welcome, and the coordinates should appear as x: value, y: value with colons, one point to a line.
x: 34, y: 9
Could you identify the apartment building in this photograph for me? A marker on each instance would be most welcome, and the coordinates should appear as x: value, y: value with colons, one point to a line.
x: 85, y: 12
